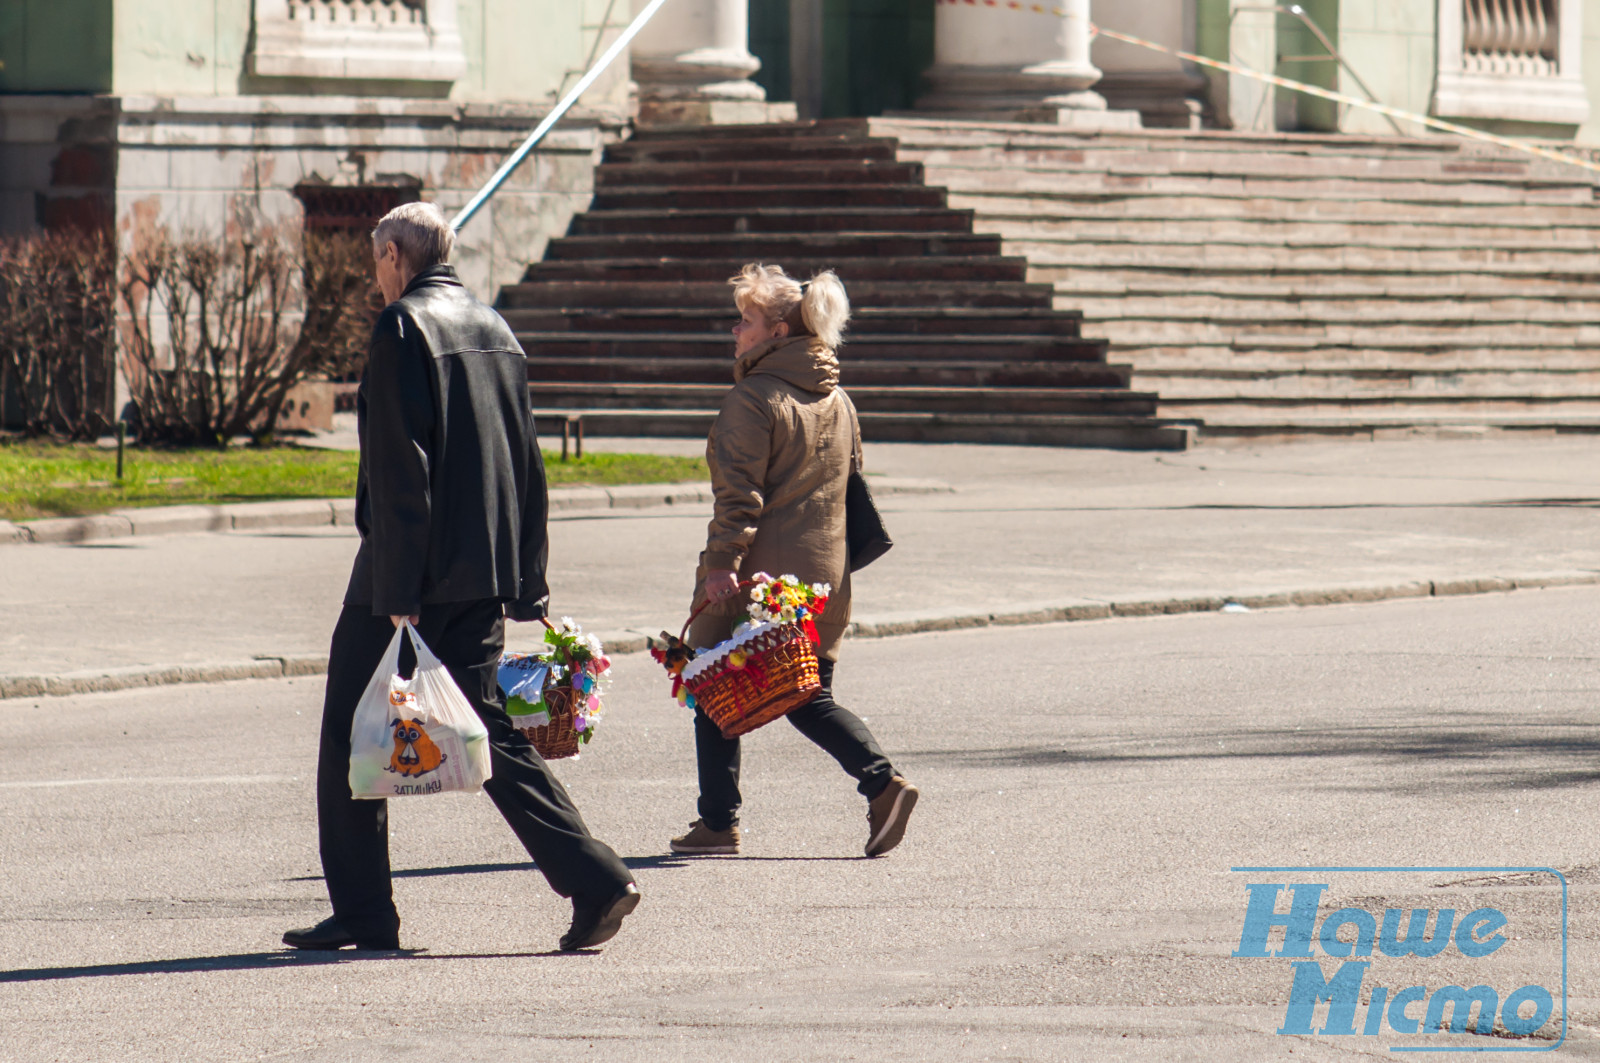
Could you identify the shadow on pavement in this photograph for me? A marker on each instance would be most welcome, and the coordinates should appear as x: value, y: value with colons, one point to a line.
x: 430, y: 872
x: 263, y: 961
x: 634, y: 863
x: 1478, y: 759
x: 1285, y: 507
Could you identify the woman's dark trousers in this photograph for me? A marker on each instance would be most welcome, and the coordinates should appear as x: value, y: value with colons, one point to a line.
x: 830, y: 725
x: 354, y: 835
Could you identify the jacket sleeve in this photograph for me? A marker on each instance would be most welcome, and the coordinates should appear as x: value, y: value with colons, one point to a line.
x: 533, y: 597
x: 397, y: 452
x: 742, y: 448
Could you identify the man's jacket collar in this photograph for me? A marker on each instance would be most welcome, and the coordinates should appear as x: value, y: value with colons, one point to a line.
x: 433, y: 277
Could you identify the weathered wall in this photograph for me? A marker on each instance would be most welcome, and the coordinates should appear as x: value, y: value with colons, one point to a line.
x: 182, y: 136
x: 1390, y: 44
x: 237, y: 160
x: 515, y: 49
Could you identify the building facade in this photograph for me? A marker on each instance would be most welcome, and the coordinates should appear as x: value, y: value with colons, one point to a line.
x: 195, y: 114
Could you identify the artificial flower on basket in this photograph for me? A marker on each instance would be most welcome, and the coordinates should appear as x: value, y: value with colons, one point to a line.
x: 554, y: 695
x: 766, y: 668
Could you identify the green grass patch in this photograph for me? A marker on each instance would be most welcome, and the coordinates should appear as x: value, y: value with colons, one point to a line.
x: 57, y: 480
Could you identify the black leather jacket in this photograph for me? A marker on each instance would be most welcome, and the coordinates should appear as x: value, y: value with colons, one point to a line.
x: 450, y: 498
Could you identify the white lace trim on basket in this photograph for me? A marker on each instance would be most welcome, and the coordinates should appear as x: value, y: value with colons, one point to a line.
x: 719, y: 653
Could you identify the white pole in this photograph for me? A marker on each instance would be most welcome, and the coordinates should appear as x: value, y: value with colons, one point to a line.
x: 555, y: 116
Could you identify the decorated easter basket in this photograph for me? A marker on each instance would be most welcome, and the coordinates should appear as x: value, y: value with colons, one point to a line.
x: 764, y: 671
x: 553, y: 696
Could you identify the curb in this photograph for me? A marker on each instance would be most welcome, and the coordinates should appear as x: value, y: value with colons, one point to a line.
x: 341, y: 512
x: 628, y: 642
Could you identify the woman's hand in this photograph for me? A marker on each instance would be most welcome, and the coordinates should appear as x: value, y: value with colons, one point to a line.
x: 721, y: 584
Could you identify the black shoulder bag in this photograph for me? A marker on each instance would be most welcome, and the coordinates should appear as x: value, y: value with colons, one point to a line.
x: 864, y: 531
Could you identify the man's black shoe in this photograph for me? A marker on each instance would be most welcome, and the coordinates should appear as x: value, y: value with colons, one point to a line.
x: 331, y: 934
x: 593, y: 924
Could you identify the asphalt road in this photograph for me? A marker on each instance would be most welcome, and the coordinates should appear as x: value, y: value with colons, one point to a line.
x: 1065, y: 891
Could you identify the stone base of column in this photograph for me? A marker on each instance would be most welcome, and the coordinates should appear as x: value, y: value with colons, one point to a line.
x: 657, y: 113
x: 1164, y: 100
x: 1051, y: 93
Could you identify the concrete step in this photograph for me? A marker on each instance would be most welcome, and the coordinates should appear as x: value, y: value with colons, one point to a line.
x: 773, y: 220
x: 780, y: 247
x: 1200, y: 252
x: 1349, y: 384
x: 1322, y: 334
x: 1001, y: 208
x: 1186, y: 360
x: 1525, y: 412
x: 1416, y: 234
x: 1288, y: 149
x: 920, y: 321
x: 1068, y: 162
x: 756, y: 172
x: 1258, y: 258
x: 742, y: 197
x: 1311, y: 280
x: 874, y: 346
x: 999, y: 180
x: 915, y: 132
x: 867, y: 398
x: 864, y: 292
x: 771, y: 144
x: 1061, y: 430
x: 1371, y: 310
x: 971, y: 268
x: 856, y: 371
x: 821, y: 127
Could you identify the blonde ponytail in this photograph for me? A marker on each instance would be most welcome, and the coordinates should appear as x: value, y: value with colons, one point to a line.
x: 825, y: 310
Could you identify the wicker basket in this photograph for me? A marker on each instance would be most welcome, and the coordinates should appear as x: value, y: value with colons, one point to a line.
x: 779, y: 675
x: 556, y: 740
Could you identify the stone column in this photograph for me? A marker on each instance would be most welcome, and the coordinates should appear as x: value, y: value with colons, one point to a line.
x: 1020, y: 65
x: 1164, y: 89
x: 693, y: 65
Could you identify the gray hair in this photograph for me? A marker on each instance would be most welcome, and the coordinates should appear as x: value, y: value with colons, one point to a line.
x: 420, y: 231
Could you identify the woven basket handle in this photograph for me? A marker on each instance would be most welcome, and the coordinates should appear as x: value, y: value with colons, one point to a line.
x: 743, y: 584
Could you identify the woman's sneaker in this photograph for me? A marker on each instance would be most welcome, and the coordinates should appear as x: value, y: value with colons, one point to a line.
x: 887, y: 815
x: 703, y: 841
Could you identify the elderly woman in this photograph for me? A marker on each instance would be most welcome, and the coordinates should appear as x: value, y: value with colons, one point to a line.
x: 781, y: 451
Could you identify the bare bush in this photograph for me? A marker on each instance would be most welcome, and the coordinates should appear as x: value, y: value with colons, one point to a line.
x: 219, y: 332
x: 56, y: 362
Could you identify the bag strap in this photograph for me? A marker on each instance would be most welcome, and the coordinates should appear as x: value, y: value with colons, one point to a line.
x: 425, y: 656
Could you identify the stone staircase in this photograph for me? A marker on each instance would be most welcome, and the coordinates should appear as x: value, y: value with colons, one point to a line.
x: 626, y: 319
x: 1293, y: 285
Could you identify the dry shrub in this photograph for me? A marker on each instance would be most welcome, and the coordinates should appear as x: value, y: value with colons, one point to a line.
x: 56, y: 329
x: 219, y: 332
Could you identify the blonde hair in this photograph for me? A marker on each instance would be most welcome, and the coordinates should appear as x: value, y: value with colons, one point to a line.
x: 818, y: 308
x: 420, y: 231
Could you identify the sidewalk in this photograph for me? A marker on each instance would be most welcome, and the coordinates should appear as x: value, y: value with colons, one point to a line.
x: 1029, y: 534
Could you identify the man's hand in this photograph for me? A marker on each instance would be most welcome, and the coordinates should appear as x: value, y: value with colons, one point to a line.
x: 398, y: 620
x: 721, y: 584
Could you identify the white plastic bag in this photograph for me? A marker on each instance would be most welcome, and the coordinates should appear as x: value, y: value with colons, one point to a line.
x: 417, y: 735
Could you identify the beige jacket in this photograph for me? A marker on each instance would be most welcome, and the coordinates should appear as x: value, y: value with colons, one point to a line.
x: 780, y: 453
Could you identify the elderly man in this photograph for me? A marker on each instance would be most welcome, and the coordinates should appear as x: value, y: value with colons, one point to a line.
x: 450, y: 504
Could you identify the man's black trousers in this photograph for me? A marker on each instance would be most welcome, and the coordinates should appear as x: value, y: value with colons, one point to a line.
x: 354, y: 835
x: 830, y: 725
